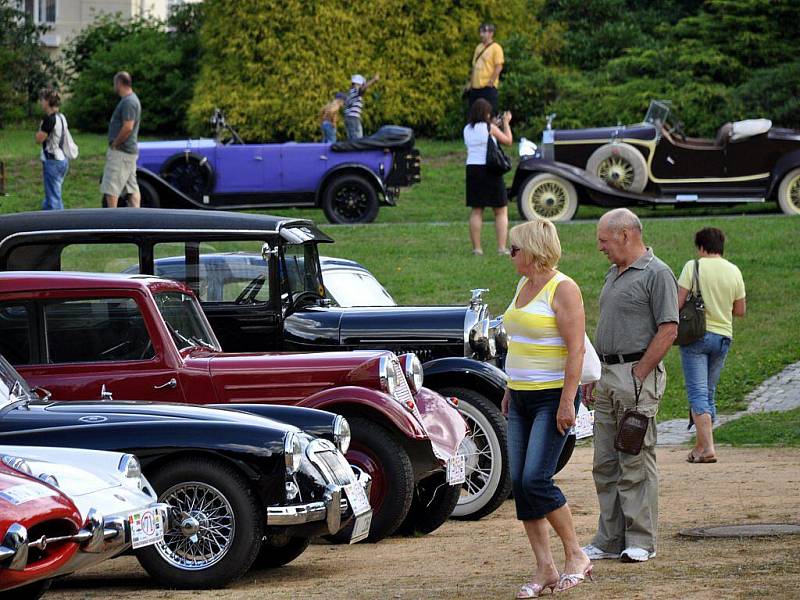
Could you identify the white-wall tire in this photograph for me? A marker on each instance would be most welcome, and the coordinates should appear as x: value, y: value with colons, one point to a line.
x: 789, y: 193
x: 548, y: 196
x: 621, y: 166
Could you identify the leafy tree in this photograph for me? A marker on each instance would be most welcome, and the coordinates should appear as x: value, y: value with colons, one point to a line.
x: 25, y: 67
x: 773, y: 93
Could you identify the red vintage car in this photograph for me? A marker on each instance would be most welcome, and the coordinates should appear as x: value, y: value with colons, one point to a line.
x: 29, y: 511
x: 88, y: 336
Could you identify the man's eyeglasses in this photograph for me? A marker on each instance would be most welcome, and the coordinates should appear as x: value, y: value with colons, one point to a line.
x: 514, y: 251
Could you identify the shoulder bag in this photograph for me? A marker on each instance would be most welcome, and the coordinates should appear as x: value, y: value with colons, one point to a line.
x: 591, y: 363
x: 67, y: 144
x: 692, y: 316
x: 632, y: 426
x: 497, y: 163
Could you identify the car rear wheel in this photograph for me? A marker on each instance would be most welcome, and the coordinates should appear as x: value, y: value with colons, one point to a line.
x: 278, y: 552
x: 32, y: 591
x: 377, y: 451
x: 150, y: 198
x: 789, y: 193
x: 548, y: 196
x: 350, y: 199
x: 219, y: 525
x: 191, y: 174
x: 434, y: 501
x: 486, y: 449
x: 621, y: 166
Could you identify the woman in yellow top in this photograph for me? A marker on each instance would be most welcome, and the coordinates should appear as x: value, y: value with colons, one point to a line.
x: 545, y: 326
x: 722, y: 289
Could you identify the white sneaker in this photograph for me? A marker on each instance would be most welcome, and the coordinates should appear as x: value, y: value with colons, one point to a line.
x: 595, y: 553
x: 634, y: 554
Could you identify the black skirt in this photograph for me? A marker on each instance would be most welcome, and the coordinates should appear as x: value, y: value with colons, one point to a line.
x: 485, y: 188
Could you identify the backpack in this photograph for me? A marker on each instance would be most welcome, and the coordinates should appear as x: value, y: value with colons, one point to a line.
x: 67, y: 144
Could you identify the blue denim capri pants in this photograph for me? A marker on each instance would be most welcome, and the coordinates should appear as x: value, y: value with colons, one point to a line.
x: 534, y: 446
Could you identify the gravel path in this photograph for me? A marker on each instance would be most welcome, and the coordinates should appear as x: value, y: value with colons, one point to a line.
x: 779, y: 393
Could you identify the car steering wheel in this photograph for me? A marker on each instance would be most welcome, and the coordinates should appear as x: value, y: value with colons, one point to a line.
x: 310, y: 296
x: 677, y: 129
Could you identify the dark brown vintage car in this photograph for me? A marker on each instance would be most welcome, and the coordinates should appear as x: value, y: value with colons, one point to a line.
x: 654, y: 162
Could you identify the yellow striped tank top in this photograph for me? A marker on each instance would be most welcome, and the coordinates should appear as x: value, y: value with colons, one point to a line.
x: 537, y: 354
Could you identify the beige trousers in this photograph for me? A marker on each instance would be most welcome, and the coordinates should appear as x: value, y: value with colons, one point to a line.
x: 627, y: 486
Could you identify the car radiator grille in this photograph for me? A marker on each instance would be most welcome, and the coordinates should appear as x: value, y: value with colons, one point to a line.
x: 330, y: 462
x: 402, y: 392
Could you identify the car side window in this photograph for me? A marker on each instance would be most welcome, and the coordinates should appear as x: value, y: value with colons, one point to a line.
x: 96, y: 330
x: 15, y: 333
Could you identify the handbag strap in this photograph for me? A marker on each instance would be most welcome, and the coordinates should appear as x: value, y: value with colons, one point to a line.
x: 63, y: 132
x: 477, y: 58
x: 637, y: 390
x: 696, y: 278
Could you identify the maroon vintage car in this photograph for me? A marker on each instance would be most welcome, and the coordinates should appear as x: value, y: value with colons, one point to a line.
x: 88, y: 336
x: 29, y: 510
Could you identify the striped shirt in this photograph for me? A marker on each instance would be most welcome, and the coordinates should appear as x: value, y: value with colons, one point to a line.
x: 537, y: 354
x: 354, y: 102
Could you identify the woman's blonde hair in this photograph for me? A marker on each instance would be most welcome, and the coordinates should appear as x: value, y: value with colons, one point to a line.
x: 538, y: 241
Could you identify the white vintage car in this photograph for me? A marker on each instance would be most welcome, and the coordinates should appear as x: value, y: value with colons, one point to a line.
x: 117, y: 505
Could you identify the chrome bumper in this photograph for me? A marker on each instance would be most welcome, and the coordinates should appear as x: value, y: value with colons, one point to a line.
x: 99, y: 535
x: 300, y: 514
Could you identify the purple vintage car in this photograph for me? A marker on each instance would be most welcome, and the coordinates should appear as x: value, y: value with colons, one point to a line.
x: 348, y: 179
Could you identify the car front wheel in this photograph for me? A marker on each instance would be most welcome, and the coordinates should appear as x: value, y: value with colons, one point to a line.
x: 375, y: 450
x: 218, y: 525
x: 485, y: 447
x: 434, y: 501
x: 548, y: 196
x: 350, y: 199
x: 278, y: 552
x: 789, y: 193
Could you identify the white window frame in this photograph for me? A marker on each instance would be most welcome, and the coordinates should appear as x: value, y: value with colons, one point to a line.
x: 37, y: 10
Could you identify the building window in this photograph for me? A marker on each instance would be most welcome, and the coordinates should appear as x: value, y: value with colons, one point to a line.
x: 41, y: 11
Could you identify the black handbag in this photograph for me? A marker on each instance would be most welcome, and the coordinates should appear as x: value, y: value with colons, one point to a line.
x: 632, y: 426
x: 497, y: 162
x: 692, y: 317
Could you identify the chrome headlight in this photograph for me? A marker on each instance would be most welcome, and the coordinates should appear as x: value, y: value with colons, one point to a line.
x: 480, y: 341
x: 341, y: 433
x: 130, y: 466
x: 412, y: 369
x: 292, y: 453
x: 500, y: 336
x: 387, y: 375
x: 18, y: 464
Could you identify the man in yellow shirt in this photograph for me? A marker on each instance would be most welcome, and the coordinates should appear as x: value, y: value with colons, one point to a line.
x: 487, y: 63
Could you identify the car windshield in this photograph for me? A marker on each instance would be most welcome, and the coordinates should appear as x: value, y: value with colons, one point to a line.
x: 12, y: 386
x: 185, y: 321
x: 301, y: 271
x: 658, y: 113
x: 355, y: 288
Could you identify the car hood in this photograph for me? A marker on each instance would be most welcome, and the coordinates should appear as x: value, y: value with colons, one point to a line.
x: 288, y: 378
x: 639, y: 131
x: 176, y: 145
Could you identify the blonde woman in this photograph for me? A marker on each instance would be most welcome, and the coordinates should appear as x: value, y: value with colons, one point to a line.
x: 545, y: 325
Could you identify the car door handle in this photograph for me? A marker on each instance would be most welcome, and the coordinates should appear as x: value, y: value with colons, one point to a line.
x: 170, y: 385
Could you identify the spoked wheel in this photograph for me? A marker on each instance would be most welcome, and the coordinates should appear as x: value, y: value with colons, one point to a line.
x: 216, y: 530
x: 620, y: 165
x: 488, y: 480
x: 190, y: 174
x: 350, y: 199
x: 548, y: 196
x: 789, y: 193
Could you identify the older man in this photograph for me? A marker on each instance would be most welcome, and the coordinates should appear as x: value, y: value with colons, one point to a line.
x: 119, y: 175
x: 638, y: 323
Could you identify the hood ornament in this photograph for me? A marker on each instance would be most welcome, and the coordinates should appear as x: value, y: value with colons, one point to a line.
x: 477, y: 297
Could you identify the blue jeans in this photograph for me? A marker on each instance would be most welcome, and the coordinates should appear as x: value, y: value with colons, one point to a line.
x: 328, y: 132
x: 702, y: 363
x: 354, y: 129
x: 54, y: 172
x: 534, y: 445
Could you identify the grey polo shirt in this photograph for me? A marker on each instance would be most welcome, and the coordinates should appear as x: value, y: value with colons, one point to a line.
x: 634, y: 304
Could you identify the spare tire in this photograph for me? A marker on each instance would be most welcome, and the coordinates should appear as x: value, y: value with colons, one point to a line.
x: 620, y: 165
x: 189, y: 173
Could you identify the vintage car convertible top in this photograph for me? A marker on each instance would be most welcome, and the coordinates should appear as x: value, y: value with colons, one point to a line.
x: 655, y: 162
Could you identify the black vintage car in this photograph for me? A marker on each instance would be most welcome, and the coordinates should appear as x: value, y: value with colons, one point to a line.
x: 654, y: 162
x: 285, y: 306
x: 245, y: 489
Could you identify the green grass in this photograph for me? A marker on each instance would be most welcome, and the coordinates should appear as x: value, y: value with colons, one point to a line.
x: 767, y: 429
x: 420, y: 251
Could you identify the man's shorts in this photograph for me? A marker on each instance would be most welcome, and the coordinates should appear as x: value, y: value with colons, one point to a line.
x: 119, y: 174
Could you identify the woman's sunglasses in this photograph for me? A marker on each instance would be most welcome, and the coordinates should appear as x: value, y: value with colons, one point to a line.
x: 514, y: 251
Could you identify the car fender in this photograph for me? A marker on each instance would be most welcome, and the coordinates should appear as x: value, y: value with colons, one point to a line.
x: 576, y: 175
x: 170, y: 197
x: 348, y: 399
x: 357, y: 169
x: 318, y: 423
x: 786, y: 163
x: 456, y: 371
